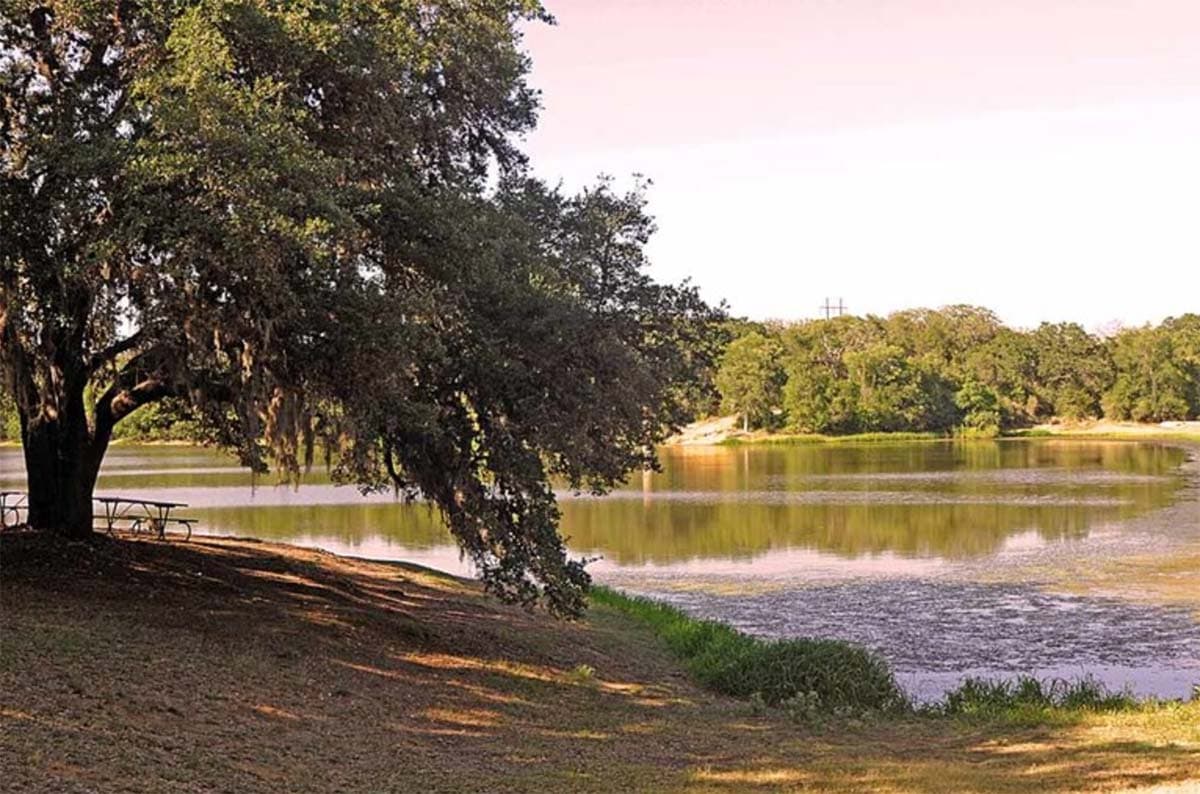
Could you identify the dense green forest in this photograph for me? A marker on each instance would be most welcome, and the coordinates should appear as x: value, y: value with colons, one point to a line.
x: 955, y: 369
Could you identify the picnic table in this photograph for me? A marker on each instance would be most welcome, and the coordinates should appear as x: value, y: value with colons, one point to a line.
x: 143, y: 515
x: 11, y: 504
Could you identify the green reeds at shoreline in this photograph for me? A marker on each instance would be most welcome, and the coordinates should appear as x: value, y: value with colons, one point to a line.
x: 817, y: 438
x: 814, y: 677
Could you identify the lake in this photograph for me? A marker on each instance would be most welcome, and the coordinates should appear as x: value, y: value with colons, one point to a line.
x: 949, y: 558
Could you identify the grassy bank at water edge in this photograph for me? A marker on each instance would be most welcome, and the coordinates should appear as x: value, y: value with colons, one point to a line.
x: 229, y: 665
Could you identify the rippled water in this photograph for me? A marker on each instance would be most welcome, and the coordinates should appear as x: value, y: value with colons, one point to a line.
x: 948, y: 558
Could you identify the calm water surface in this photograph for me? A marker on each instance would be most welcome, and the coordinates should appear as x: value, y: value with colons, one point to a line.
x: 939, y: 555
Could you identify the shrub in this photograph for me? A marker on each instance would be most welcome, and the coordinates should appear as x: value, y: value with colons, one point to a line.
x: 582, y: 674
x: 1028, y: 695
x: 827, y: 675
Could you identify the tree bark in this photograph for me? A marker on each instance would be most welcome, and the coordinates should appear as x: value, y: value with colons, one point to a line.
x: 64, y: 447
x: 61, y: 468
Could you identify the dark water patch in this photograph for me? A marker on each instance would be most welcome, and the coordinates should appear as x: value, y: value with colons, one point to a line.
x: 941, y: 631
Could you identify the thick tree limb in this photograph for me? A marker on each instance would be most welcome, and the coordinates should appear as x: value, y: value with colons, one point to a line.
x: 148, y: 391
x: 118, y: 402
x: 141, y: 381
x: 111, y: 352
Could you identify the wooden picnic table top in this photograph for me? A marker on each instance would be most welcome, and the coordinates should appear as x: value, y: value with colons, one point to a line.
x: 115, y: 500
x: 132, y: 501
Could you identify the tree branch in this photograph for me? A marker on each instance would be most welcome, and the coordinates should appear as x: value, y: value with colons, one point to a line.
x: 148, y: 391
x: 40, y: 20
x: 111, y: 352
x: 140, y: 381
x: 118, y: 402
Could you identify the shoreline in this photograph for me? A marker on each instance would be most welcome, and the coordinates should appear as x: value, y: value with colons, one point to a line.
x: 718, y: 431
x: 725, y: 431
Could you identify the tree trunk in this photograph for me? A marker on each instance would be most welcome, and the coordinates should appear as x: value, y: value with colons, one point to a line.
x: 61, y: 464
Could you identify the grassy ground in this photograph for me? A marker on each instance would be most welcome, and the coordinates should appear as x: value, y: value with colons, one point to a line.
x: 225, y: 665
x: 1103, y: 430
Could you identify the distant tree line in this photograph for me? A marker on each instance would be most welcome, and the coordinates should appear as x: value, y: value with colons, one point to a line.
x: 955, y: 369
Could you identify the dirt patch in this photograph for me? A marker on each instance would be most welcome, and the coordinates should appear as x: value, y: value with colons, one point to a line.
x: 707, y: 431
x: 224, y: 665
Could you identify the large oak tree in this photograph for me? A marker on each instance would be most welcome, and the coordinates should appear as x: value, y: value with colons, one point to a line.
x: 309, y: 223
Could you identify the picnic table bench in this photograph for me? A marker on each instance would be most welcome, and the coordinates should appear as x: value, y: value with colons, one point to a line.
x: 143, y: 515
x: 11, y: 505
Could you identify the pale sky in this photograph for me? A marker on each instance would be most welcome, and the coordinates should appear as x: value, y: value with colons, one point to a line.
x: 1039, y: 157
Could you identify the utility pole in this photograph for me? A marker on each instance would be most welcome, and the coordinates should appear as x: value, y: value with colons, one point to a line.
x: 829, y: 308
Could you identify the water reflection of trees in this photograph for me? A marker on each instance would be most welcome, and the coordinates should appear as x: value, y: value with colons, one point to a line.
x: 713, y: 468
x: 631, y: 532
x: 413, y: 525
x: 627, y: 532
x: 640, y: 528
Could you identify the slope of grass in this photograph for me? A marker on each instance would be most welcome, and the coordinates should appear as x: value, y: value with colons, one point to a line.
x: 223, y: 665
